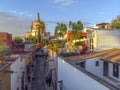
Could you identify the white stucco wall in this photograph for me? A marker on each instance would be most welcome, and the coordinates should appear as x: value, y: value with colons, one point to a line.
x: 18, y: 67
x: 92, y: 68
x: 106, y: 39
x: 73, y: 79
x: 98, y: 70
x: 27, y: 47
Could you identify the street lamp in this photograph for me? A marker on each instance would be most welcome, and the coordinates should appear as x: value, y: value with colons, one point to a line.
x: 1, y: 62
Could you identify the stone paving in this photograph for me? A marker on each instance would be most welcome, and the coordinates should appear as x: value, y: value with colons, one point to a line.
x: 40, y: 71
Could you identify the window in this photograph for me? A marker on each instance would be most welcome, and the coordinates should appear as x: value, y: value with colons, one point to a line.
x: 97, y: 63
x: 82, y: 64
x: 91, y: 40
x: 92, y: 47
x: 116, y: 70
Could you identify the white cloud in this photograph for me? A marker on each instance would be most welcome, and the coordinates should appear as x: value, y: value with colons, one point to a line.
x: 20, y: 13
x: 13, y: 24
x: 101, y: 13
x: 65, y: 2
x: 13, y: 11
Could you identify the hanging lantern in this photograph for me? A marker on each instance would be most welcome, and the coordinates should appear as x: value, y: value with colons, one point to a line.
x: 1, y: 63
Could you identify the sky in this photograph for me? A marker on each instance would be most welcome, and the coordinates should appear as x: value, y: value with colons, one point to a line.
x: 16, y: 16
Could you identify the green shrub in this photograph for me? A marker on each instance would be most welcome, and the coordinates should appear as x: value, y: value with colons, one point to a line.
x: 79, y: 43
x: 68, y: 54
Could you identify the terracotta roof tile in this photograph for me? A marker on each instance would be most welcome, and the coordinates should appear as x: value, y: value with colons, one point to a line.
x: 112, y: 55
x: 84, y: 34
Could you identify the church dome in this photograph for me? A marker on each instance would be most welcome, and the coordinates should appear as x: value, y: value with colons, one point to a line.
x: 36, y: 24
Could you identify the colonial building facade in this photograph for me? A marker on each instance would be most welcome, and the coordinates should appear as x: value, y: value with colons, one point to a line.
x: 99, y: 39
x: 7, y: 38
x: 34, y: 30
x: 103, y: 26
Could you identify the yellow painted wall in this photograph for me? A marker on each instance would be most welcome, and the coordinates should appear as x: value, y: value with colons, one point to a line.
x: 5, y: 79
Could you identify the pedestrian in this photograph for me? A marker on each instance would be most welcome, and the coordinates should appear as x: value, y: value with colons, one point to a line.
x: 49, y: 81
x: 46, y: 79
x: 29, y: 78
x: 26, y: 87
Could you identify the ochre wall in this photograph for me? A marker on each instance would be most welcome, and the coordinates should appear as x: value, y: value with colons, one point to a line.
x: 5, y: 79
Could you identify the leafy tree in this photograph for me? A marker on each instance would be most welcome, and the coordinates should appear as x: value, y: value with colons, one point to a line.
x: 79, y: 43
x: 33, y: 40
x: 79, y: 26
x: 72, y: 26
x: 60, y: 29
x: 55, y: 47
x: 77, y: 35
x: 57, y: 42
x: 115, y: 23
x: 18, y: 40
x: 76, y: 29
x: 69, y: 36
x: 4, y: 50
x: 40, y: 27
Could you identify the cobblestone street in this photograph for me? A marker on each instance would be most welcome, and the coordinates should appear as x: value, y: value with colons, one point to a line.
x: 39, y: 73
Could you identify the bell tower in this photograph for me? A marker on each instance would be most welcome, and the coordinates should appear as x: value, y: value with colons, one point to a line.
x: 38, y: 17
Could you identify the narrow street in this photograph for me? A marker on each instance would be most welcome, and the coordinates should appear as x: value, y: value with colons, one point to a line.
x: 39, y: 73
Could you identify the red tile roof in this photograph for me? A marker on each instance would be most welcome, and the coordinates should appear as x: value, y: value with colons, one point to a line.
x: 112, y: 55
x: 84, y: 34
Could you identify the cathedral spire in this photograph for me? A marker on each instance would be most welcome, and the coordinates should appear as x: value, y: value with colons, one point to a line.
x: 32, y: 26
x: 38, y: 17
